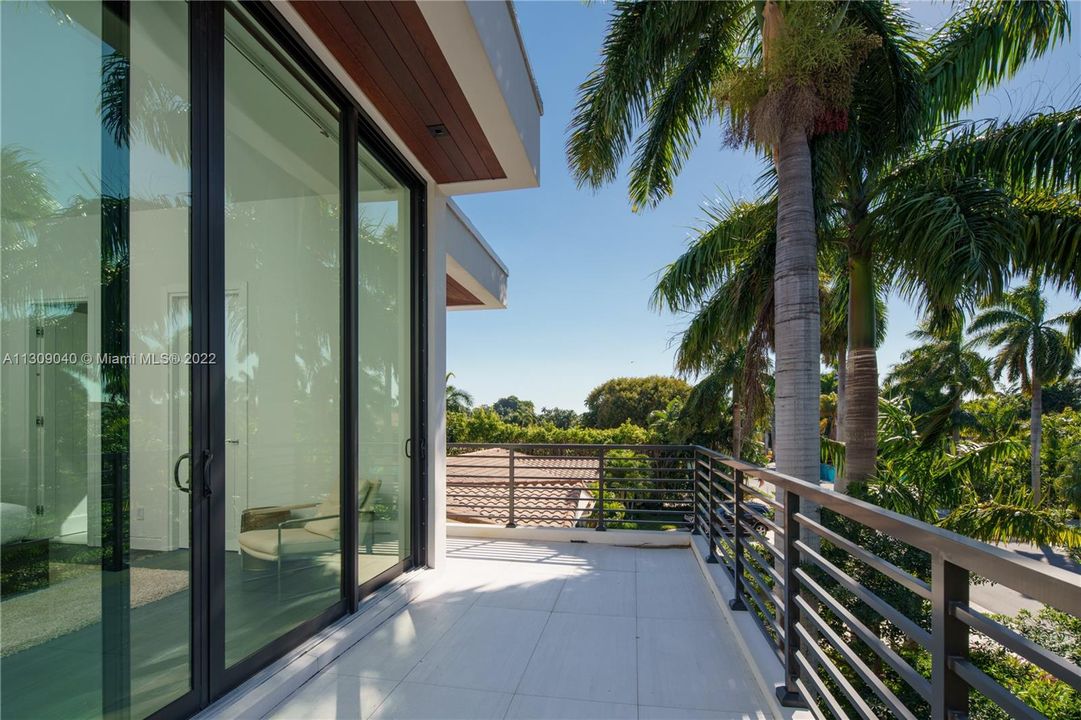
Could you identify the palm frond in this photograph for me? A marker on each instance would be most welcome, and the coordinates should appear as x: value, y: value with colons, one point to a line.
x: 951, y: 240
x: 729, y: 230
x: 1038, y: 152
x: 643, y: 43
x: 1051, y: 247
x: 1012, y: 519
x: 887, y: 108
x: 986, y: 43
x: 682, y: 102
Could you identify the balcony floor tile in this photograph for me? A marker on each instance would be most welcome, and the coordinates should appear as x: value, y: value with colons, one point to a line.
x: 523, y: 630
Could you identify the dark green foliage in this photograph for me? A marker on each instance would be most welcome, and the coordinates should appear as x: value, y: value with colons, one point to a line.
x: 631, y: 400
x: 515, y: 411
x: 484, y: 426
x: 561, y: 418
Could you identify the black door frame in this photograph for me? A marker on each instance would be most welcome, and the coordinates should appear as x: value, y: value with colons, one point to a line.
x: 210, y: 678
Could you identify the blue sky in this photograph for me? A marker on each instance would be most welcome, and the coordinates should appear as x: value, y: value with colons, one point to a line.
x: 582, y: 265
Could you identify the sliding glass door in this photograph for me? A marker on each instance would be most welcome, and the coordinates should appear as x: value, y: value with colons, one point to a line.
x: 96, y: 592
x: 207, y: 327
x: 283, y: 359
x: 384, y: 327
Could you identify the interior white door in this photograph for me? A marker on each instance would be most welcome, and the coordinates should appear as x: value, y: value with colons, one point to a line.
x: 236, y: 431
x: 236, y: 439
x: 58, y: 419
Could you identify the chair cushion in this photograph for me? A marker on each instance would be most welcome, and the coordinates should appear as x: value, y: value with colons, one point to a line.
x: 326, y: 528
x: 263, y: 544
x: 331, y: 505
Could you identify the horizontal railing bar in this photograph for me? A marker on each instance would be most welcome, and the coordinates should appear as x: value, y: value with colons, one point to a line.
x: 851, y: 694
x: 767, y: 615
x: 762, y: 518
x: 835, y: 672
x: 528, y: 495
x: 763, y: 587
x: 986, y: 686
x: 852, y: 659
x: 806, y: 691
x: 644, y: 490
x: 761, y: 562
x: 728, y: 496
x: 772, y: 502
x: 725, y: 522
x: 763, y: 540
x: 776, y: 644
x: 688, y: 449
x: 1048, y: 584
x: 906, y: 672
x: 1056, y: 665
x: 909, y: 581
x: 880, y: 606
x: 722, y: 535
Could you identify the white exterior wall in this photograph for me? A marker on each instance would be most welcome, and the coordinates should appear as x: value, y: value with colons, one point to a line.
x: 437, y: 377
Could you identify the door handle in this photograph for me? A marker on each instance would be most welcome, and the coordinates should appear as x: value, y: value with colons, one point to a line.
x: 176, y: 473
x: 208, y: 458
x: 409, y: 447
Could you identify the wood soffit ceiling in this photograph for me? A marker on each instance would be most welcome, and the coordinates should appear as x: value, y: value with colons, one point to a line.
x: 390, y: 52
x: 458, y: 296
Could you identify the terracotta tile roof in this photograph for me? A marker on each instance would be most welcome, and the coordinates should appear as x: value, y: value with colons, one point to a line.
x: 548, y: 491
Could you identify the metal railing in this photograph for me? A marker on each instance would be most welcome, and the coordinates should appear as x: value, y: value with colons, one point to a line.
x: 867, y: 610
x: 858, y: 634
x: 641, y: 487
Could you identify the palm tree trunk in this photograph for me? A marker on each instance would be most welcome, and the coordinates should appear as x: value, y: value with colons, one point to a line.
x: 1037, y: 432
x: 861, y: 404
x: 737, y: 431
x: 796, y: 312
x: 842, y: 398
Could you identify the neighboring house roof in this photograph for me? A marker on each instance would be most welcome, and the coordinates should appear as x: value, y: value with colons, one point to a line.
x: 548, y: 491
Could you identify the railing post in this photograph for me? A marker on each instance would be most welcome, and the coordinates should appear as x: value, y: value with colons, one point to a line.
x: 600, y: 491
x: 712, y: 556
x: 510, y: 518
x: 736, y: 603
x: 788, y: 693
x: 694, y: 493
x: 949, y: 639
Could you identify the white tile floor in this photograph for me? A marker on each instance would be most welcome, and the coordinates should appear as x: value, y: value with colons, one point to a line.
x: 544, y: 631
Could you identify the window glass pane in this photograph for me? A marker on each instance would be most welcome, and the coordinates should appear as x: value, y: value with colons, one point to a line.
x: 384, y: 338
x: 283, y: 355
x: 94, y: 594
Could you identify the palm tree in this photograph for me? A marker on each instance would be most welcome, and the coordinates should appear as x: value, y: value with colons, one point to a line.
x: 776, y: 72
x: 921, y: 479
x: 914, y: 219
x: 1031, y: 349
x: 937, y: 375
x: 458, y: 400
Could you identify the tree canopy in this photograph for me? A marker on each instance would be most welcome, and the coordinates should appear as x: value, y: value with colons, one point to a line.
x: 629, y: 399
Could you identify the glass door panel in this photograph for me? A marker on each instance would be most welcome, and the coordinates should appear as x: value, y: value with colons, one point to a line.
x: 283, y: 349
x: 384, y: 332
x: 95, y: 600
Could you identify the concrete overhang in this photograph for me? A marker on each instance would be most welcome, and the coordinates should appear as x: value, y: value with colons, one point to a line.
x: 476, y: 277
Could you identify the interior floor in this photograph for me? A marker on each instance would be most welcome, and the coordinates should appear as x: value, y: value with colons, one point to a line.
x: 61, y: 676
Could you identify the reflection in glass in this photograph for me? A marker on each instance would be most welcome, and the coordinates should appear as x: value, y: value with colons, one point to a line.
x: 94, y: 594
x: 384, y: 338
x: 283, y: 296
